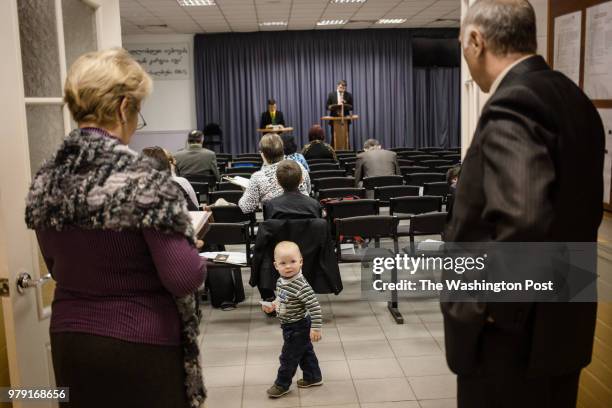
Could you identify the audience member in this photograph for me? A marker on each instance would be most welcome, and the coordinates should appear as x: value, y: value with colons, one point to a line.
x: 291, y: 204
x: 163, y: 161
x: 375, y: 161
x: 263, y: 184
x: 196, y: 161
x: 115, y: 237
x: 452, y: 177
x: 317, y: 148
x: 290, y: 149
x: 528, y: 176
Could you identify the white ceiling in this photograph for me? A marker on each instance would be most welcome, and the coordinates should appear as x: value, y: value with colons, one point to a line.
x: 150, y: 16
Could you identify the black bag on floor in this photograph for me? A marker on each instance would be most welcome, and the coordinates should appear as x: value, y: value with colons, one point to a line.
x: 225, y: 286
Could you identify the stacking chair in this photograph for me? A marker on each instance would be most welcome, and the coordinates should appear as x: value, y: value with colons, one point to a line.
x: 319, y: 161
x: 333, y: 182
x: 236, y: 170
x: 384, y: 194
x: 426, y: 224
x: 405, y: 162
x: 370, y: 182
x: 350, y: 208
x: 401, y: 149
x: 324, y: 166
x: 422, y: 157
x: 438, y: 188
x: 224, y: 156
x: 408, y: 154
x: 407, y: 207
x: 418, y: 179
x: 430, y: 149
x: 249, y: 154
x: 341, y: 192
x: 413, y: 169
x: 246, y: 161
x: 443, y: 169
x: 226, y: 185
x: 326, y: 173
x: 372, y: 227
x: 233, y: 214
x: 209, y: 179
x: 455, y: 158
x: 345, y: 153
x: 441, y: 153
x: 201, y: 190
x: 434, y: 163
x: 230, y: 196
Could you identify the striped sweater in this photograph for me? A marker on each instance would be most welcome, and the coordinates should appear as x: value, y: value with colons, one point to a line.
x: 295, y: 299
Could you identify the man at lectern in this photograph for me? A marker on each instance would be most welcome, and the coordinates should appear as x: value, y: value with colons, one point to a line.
x: 339, y: 102
x: 271, y: 117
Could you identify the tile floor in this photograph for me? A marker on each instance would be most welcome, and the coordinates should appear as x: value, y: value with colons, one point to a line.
x: 367, y: 360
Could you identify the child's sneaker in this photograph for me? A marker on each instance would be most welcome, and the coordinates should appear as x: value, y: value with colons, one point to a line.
x: 302, y: 383
x: 275, y: 391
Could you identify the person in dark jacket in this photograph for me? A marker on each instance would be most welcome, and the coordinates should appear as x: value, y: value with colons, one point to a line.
x: 533, y: 173
x: 271, y: 117
x: 317, y: 148
x: 292, y: 204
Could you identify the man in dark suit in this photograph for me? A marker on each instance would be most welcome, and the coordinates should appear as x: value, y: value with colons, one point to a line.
x: 292, y: 204
x: 533, y: 173
x: 271, y: 116
x: 375, y: 161
x: 339, y: 102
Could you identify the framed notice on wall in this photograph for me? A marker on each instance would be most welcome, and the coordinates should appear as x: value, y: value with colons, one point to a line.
x: 163, y: 61
x: 567, y: 45
x: 598, y: 52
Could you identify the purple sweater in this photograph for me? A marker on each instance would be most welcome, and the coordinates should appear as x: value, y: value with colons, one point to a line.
x: 120, y: 284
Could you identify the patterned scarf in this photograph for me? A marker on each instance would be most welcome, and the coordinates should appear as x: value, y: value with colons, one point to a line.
x: 95, y: 182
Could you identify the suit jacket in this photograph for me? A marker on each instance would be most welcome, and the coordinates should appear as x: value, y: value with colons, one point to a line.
x: 291, y: 205
x: 314, y: 239
x: 196, y: 161
x: 533, y: 173
x: 376, y: 162
x: 266, y: 119
x: 332, y: 99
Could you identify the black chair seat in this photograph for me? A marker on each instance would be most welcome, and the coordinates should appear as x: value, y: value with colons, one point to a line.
x: 370, y: 182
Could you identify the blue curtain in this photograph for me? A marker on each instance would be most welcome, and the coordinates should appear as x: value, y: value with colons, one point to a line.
x: 236, y: 73
x: 437, y: 102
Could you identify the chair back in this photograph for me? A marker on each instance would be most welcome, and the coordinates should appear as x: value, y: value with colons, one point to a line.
x: 326, y: 173
x: 438, y: 188
x: 333, y: 182
x: 384, y: 194
x: 413, y: 169
x: 237, y: 170
x: 228, y: 195
x: 422, y: 157
x: 341, y: 192
x: 209, y: 179
x: 319, y: 161
x: 434, y: 163
x: 324, y: 166
x: 222, y: 233
x: 369, y: 226
x: 201, y: 189
x: 226, y: 185
x: 351, y: 208
x: 418, y: 179
x: 224, y: 156
x: 427, y: 224
x: 405, y: 162
x: 415, y: 205
x: 455, y: 158
x: 380, y: 181
x: 246, y: 161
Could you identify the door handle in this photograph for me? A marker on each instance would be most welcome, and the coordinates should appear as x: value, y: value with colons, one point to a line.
x: 25, y: 281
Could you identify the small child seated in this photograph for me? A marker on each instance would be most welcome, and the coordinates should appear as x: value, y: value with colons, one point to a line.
x: 300, y: 315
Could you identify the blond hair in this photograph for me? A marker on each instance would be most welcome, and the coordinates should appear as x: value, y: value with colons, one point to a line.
x: 285, y: 246
x: 98, y: 81
x: 271, y: 146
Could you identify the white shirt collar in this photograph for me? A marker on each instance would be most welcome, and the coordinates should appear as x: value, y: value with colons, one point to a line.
x: 503, y: 74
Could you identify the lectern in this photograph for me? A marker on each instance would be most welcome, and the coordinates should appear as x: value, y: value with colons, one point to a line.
x: 340, y: 126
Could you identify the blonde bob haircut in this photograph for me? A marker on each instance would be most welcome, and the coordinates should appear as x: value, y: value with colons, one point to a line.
x: 271, y: 146
x: 97, y: 83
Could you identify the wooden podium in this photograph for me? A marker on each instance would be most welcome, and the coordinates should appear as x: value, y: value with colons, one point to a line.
x: 340, y: 125
x: 271, y: 130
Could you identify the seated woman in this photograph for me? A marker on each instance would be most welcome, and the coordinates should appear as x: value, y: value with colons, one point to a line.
x: 163, y: 161
x: 263, y: 184
x: 317, y: 148
x: 291, y: 150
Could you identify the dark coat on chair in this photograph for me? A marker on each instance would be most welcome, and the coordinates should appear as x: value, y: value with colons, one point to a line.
x: 533, y: 173
x: 313, y: 237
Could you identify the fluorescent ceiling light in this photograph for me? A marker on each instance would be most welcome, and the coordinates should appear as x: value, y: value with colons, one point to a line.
x: 331, y: 22
x: 391, y: 21
x: 273, y: 23
x: 347, y: 1
x: 187, y: 3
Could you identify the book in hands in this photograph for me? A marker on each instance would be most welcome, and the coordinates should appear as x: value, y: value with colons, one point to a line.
x: 239, y: 181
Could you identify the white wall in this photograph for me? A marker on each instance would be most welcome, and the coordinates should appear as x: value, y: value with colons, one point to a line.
x: 541, y: 10
x: 170, y: 110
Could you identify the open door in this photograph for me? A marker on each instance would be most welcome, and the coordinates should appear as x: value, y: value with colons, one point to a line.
x: 39, y: 39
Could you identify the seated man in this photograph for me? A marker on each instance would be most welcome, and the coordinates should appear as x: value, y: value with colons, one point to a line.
x: 292, y: 203
x: 196, y: 161
x: 375, y: 162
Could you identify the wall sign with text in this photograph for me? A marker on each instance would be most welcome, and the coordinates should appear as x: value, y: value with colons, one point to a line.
x: 163, y: 61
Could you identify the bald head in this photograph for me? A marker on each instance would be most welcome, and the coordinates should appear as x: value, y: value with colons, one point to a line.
x: 507, y: 26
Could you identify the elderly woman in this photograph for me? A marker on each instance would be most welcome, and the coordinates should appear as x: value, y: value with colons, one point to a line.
x: 317, y: 148
x: 264, y: 184
x: 116, y: 236
x: 162, y: 160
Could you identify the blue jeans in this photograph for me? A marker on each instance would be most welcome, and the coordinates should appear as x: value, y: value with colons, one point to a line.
x: 297, y: 350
